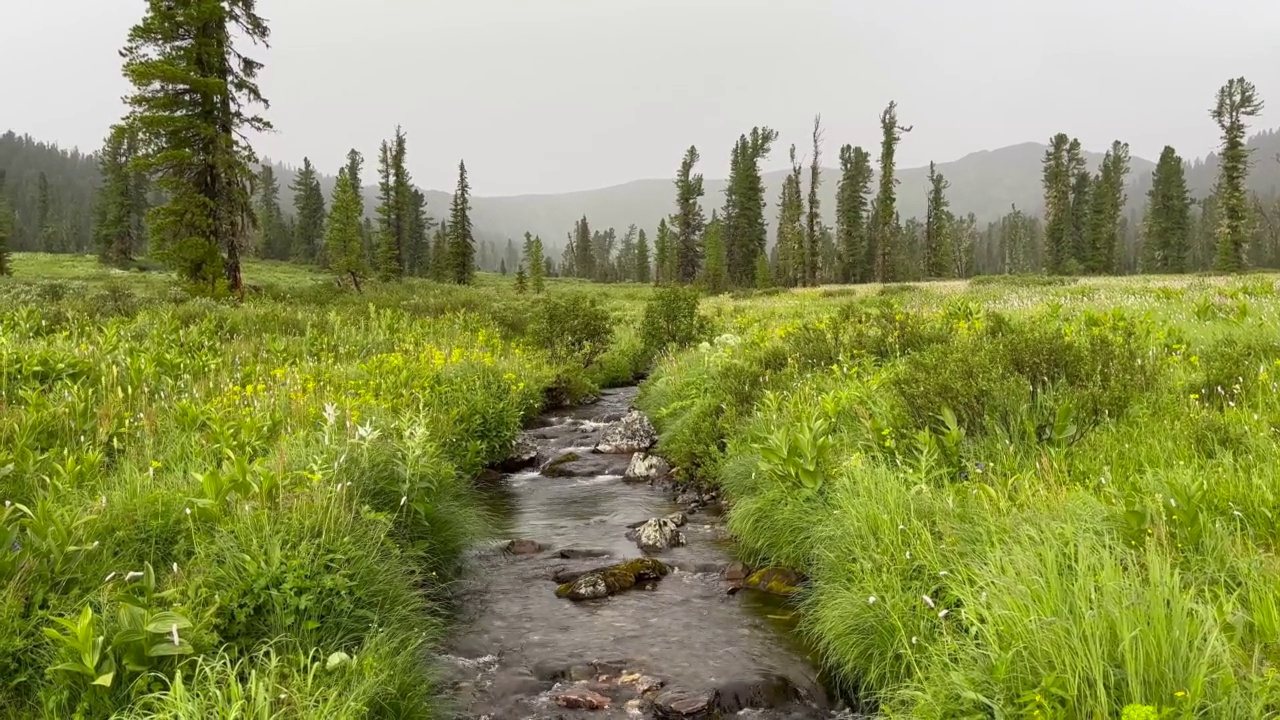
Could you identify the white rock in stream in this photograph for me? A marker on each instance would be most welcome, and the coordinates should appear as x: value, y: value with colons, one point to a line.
x: 633, y: 433
x: 647, y: 467
x: 657, y: 534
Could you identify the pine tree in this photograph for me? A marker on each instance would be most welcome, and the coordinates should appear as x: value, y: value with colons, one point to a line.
x: 627, y: 255
x: 418, y: 225
x: 713, y: 275
x: 7, y: 225
x: 662, y: 254
x: 583, y: 260
x: 462, y: 245
x: 192, y: 91
x: 1015, y: 242
x: 743, y: 227
x: 533, y: 256
x: 308, y: 207
x: 965, y: 241
x: 1236, y: 101
x: 440, y: 249
x: 1166, y: 229
x: 641, y: 272
x: 813, y: 218
x: 344, y: 247
x: 790, y: 231
x: 409, y: 203
x: 938, y: 260
x: 1081, y: 205
x: 764, y: 278
x: 885, y: 221
x: 118, y: 227
x: 1057, y: 180
x: 851, y: 213
x: 274, y: 241
x: 522, y: 285
x: 690, y: 222
x: 1106, y: 203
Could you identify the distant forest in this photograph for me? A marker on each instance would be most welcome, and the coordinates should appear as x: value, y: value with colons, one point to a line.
x: 53, y: 194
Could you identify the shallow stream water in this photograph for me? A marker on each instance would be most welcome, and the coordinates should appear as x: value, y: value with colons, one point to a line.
x: 517, y: 647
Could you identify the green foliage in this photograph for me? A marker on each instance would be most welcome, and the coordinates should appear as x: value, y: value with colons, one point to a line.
x: 745, y: 234
x: 462, y: 246
x: 886, y: 213
x: 1166, y: 228
x: 121, y: 203
x: 573, y: 327
x: 642, y: 272
x: 522, y: 283
x: 790, y: 229
x: 714, y: 278
x: 1106, y: 203
x: 689, y: 221
x: 308, y: 209
x: 7, y: 225
x: 536, y: 261
x: 1236, y: 102
x: 938, y: 251
x: 671, y: 320
x: 851, y: 213
x: 344, y: 242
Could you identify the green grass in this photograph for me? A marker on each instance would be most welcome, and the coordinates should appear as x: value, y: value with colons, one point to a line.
x: 283, y: 485
x: 1012, y: 498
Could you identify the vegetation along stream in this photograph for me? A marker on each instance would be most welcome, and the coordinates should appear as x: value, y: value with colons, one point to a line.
x: 683, y: 644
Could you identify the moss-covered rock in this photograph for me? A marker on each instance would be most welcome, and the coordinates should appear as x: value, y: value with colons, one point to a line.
x: 614, y: 579
x: 775, y: 581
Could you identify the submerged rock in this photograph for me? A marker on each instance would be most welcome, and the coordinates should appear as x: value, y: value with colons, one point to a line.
x: 571, y: 464
x: 736, y: 572
x: 523, y: 547
x: 644, y: 466
x: 678, y: 519
x: 633, y: 433
x: 603, y: 582
x: 524, y: 453
x: 656, y: 535
x: 581, y: 553
x: 760, y: 692
x: 678, y: 704
x: 775, y: 581
x: 581, y: 699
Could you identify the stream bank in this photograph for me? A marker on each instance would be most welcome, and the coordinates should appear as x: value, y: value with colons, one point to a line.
x: 680, y: 646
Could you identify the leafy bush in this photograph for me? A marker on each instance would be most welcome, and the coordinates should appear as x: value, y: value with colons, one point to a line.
x: 671, y: 320
x: 574, y: 327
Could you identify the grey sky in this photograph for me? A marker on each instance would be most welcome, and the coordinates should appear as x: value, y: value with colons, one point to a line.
x: 557, y: 95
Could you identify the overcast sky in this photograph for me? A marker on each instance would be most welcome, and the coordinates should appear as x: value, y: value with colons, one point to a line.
x: 556, y: 95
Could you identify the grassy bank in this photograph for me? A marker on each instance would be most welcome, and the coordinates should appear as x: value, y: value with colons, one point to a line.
x: 1018, y: 498
x: 214, y: 508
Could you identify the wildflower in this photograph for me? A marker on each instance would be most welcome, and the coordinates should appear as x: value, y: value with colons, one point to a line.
x: 942, y: 573
x: 928, y: 601
x: 943, y: 613
x: 915, y: 640
x: 404, y: 500
x: 173, y: 633
x: 108, y: 578
x: 908, y: 554
x: 871, y: 600
x: 188, y: 511
x: 103, y: 501
x: 175, y: 567
x: 1180, y: 694
x: 330, y: 413
x: 132, y: 575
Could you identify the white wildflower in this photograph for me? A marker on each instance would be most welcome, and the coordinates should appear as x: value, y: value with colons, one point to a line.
x: 871, y: 600
x: 928, y: 601
x: 175, y: 567
x: 915, y: 640
x: 108, y: 578
x: 173, y: 633
x: 188, y: 511
x: 131, y: 576
x: 330, y: 413
x: 943, y: 613
x: 404, y: 500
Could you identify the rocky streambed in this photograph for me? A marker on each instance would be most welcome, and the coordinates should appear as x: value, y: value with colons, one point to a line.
x: 611, y: 598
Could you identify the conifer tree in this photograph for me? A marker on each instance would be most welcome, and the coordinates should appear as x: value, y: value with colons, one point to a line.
x: 533, y: 257
x: 713, y: 276
x: 569, y: 256
x: 627, y: 255
x: 418, y: 252
x: 764, y: 278
x: 662, y: 254
x: 964, y: 240
x: 273, y: 239
x: 190, y: 108
x: 1057, y: 180
x: 790, y: 231
x: 938, y: 260
x: 886, y: 212
x: 813, y: 219
x: 641, y: 272
x: 743, y: 227
x: 121, y: 201
x: 1236, y: 101
x: 409, y: 204
x: 522, y: 285
x: 690, y: 222
x: 308, y: 207
x: 355, y: 169
x: 1106, y: 204
x: 1015, y: 242
x: 462, y: 245
x: 1166, y: 229
x: 7, y: 225
x: 1081, y: 205
x: 851, y: 213
x: 344, y: 247
x: 440, y: 249
x: 584, y: 259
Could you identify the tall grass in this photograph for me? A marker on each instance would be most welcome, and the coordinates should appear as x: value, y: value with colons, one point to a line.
x: 1022, y: 500
x: 214, y: 509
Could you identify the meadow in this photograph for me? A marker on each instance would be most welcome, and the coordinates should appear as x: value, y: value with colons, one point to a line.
x: 1012, y: 497
x: 214, y: 509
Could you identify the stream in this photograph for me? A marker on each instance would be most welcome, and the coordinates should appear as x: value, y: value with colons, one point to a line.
x: 681, y: 647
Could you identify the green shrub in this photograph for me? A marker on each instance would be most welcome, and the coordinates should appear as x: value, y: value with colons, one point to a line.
x: 671, y: 320
x: 574, y: 327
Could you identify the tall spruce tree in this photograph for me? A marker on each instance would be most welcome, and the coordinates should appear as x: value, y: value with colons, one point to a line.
x: 743, y: 227
x: 584, y: 261
x: 193, y: 90
x: 344, y: 245
x: 627, y: 255
x: 886, y: 211
x: 813, y: 217
x: 1057, y: 180
x: 308, y: 210
x: 1166, y: 229
x: 536, y: 262
x: 1236, y: 102
x: 462, y: 244
x: 690, y: 222
x: 273, y: 235
x: 121, y: 199
x: 1106, y: 205
x: 938, y: 260
x: 713, y: 276
x: 790, y: 231
x: 417, y: 229
x: 440, y: 250
x: 398, y: 209
x: 851, y: 213
x: 662, y: 254
x: 641, y: 273
x: 1081, y: 206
